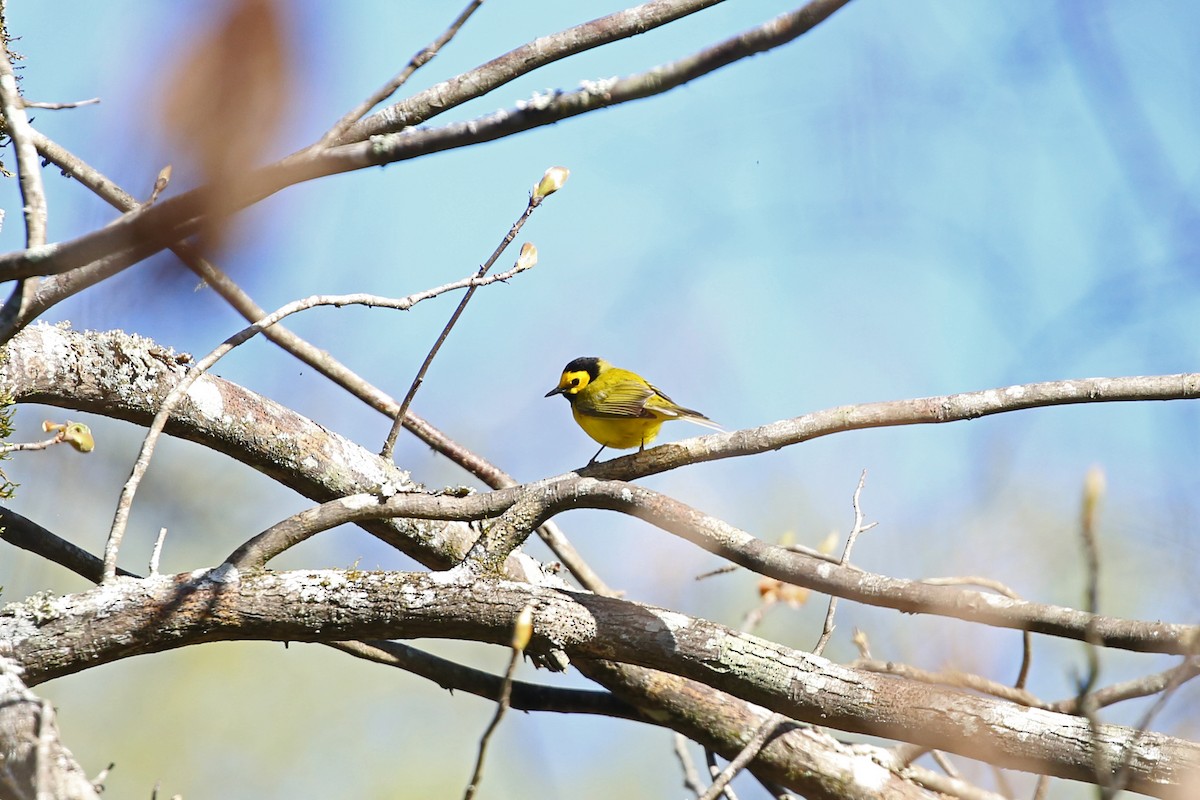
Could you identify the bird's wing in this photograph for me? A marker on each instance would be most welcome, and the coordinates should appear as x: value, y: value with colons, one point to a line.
x: 662, y: 406
x: 622, y: 400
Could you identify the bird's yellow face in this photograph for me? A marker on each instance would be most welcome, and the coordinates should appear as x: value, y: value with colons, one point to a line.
x: 576, y: 376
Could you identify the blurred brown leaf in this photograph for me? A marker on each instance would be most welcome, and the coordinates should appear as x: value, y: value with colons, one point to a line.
x: 224, y: 98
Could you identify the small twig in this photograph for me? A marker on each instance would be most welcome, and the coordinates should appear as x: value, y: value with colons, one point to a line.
x: 712, y: 573
x: 522, y: 631
x: 157, y: 551
x: 942, y: 761
x: 19, y: 447
x: 948, y: 785
x: 763, y: 734
x: 29, y: 171
x: 160, y: 184
x: 535, y: 200
x: 827, y: 627
x: 124, y: 504
x: 60, y: 106
x: 1003, y: 784
x: 1093, y: 489
x: 691, y: 778
x: 388, y: 89
x: 1144, y: 686
x: 710, y: 758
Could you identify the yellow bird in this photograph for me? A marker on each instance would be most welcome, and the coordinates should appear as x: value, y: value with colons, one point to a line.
x: 616, y: 407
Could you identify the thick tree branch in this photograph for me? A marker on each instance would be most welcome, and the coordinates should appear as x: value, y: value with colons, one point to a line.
x: 816, y: 764
x: 128, y: 377
x: 520, y: 509
x: 94, y: 372
x: 131, y: 617
x: 894, y: 413
x: 34, y: 764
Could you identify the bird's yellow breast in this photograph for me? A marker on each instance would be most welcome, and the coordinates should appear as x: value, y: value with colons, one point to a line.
x: 617, y: 432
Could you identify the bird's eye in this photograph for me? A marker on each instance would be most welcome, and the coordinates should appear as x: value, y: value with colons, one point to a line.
x: 574, y: 382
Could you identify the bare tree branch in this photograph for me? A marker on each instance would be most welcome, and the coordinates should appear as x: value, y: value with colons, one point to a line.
x: 139, y: 235
x: 84, y: 364
x: 544, y: 50
x: 35, y: 764
x: 65, y: 635
x: 29, y: 170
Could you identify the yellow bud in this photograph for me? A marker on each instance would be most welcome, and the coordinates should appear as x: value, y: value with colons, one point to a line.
x: 523, y: 629
x: 48, y: 426
x: 1093, y: 490
x: 78, y: 436
x: 528, y: 257
x: 551, y: 182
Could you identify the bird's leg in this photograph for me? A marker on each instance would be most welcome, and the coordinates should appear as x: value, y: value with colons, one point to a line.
x: 598, y: 452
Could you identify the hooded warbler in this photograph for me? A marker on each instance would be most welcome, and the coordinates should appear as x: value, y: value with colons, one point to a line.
x: 616, y: 407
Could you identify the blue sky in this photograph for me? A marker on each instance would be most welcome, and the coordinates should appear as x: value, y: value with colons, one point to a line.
x: 914, y: 199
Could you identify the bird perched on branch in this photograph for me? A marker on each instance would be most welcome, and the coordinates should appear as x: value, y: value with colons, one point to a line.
x: 616, y: 407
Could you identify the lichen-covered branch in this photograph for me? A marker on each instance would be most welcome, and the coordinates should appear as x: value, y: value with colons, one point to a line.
x: 53, y: 637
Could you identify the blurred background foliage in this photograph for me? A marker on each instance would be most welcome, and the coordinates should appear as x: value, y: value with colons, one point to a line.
x: 913, y: 199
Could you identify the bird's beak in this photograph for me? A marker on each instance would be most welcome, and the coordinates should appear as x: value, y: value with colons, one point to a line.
x: 556, y: 390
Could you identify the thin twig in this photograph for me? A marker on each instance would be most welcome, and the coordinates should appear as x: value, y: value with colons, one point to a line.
x: 142, y: 463
x: 691, y: 778
x: 156, y: 553
x: 710, y: 758
x: 943, y: 761
x: 521, y: 634
x: 388, y: 89
x: 763, y: 734
x: 60, y: 106
x: 948, y: 785
x: 1144, y: 686
x: 29, y: 169
x: 18, y: 447
x: 827, y: 627
x: 390, y: 443
x: 1093, y: 489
